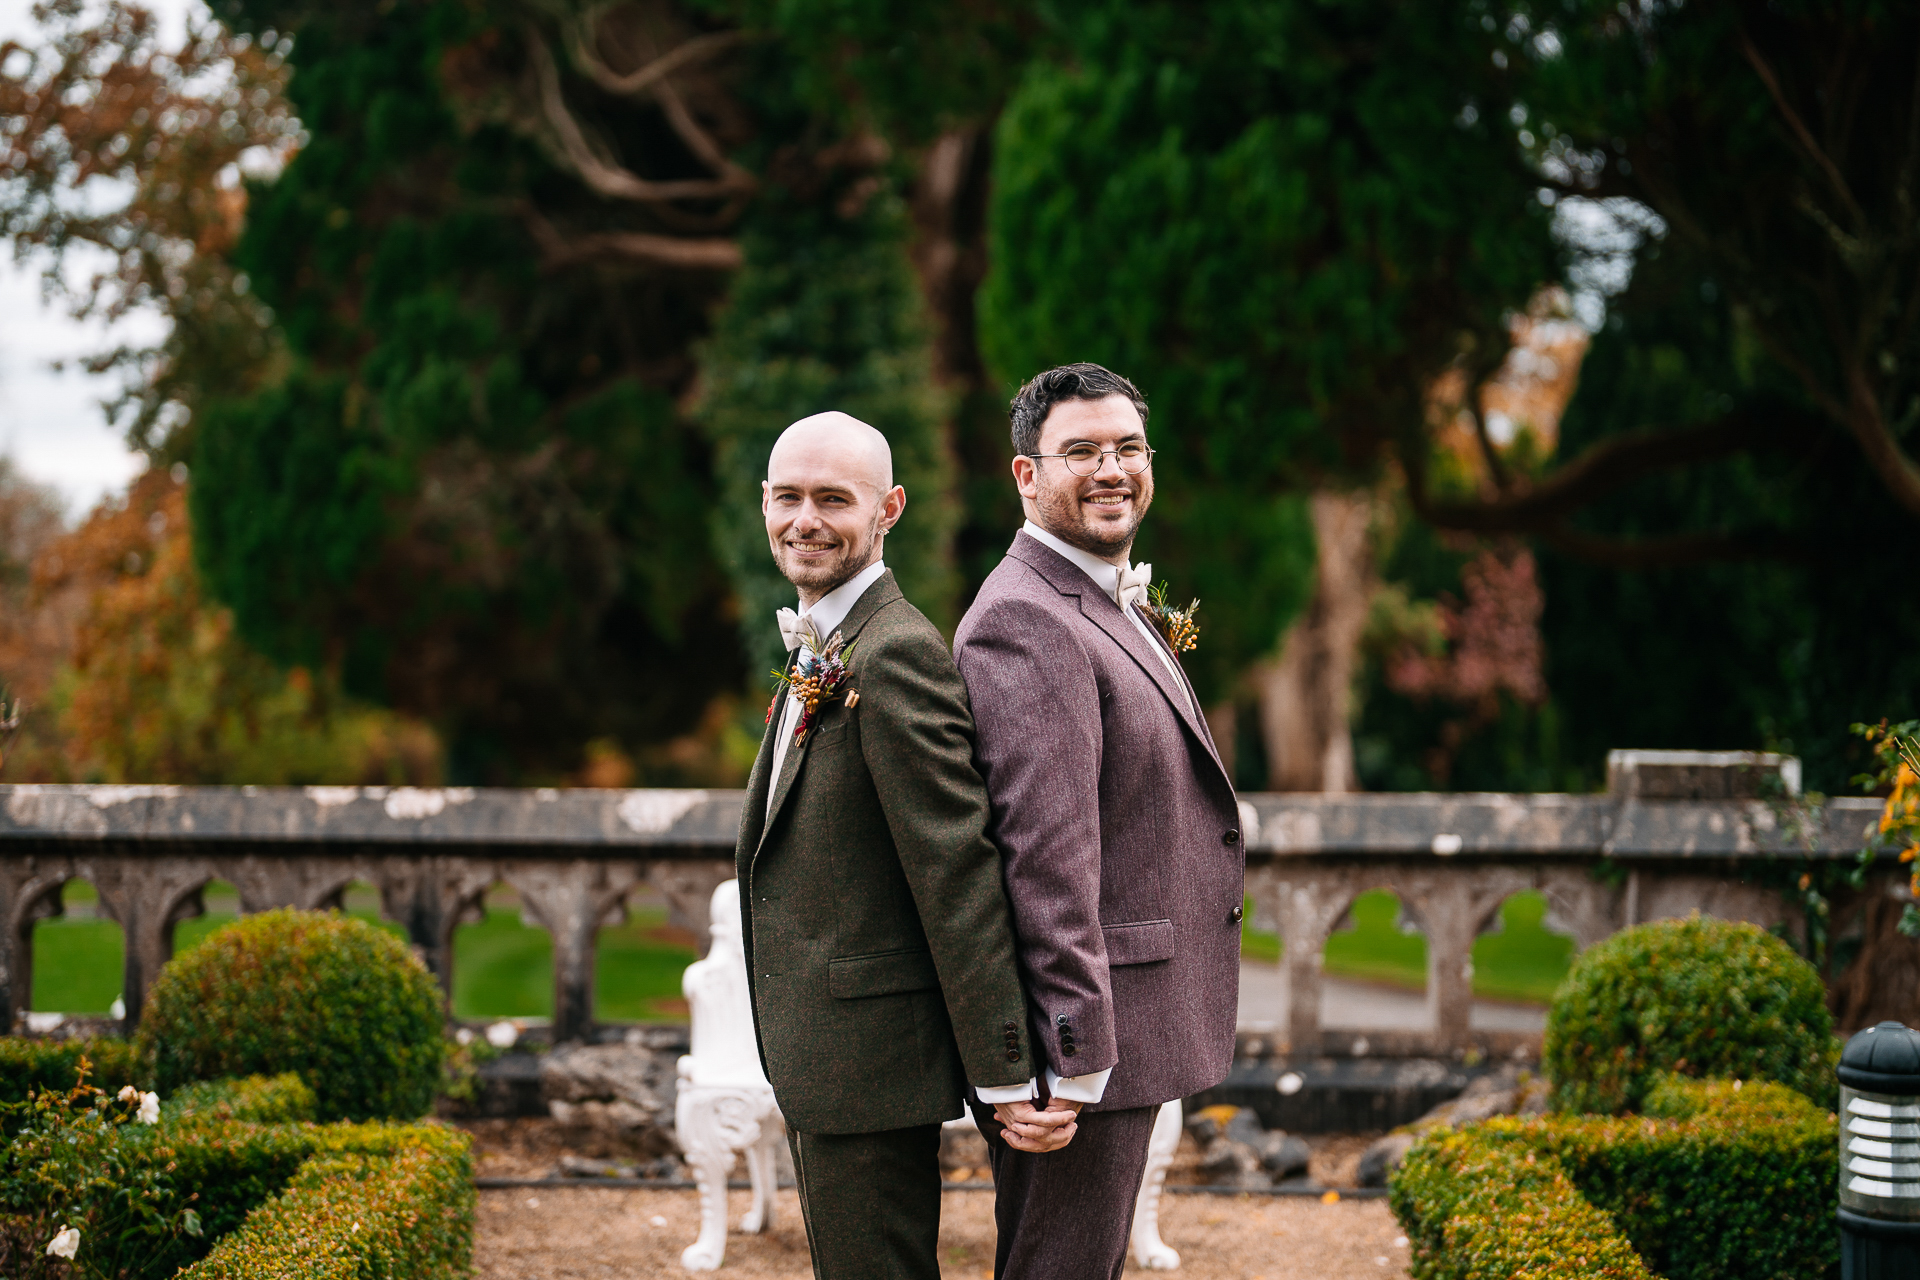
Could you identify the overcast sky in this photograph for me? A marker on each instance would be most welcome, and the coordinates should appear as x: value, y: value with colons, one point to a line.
x: 51, y: 423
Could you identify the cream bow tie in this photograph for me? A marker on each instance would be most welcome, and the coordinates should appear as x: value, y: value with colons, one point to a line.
x: 796, y: 632
x: 1132, y: 589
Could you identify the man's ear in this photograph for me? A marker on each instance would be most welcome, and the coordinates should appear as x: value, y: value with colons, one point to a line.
x: 766, y: 497
x: 893, y: 506
x: 1026, y: 476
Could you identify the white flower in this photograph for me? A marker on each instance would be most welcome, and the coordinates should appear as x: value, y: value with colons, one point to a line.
x: 149, y: 1109
x: 501, y: 1035
x: 66, y: 1244
x: 464, y: 1035
x: 128, y: 1093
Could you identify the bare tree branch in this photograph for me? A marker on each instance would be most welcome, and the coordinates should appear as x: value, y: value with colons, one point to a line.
x: 698, y: 140
x: 1603, y: 469
x: 604, y: 175
x: 1673, y: 551
x: 1801, y: 133
x: 698, y: 49
x: 558, y: 251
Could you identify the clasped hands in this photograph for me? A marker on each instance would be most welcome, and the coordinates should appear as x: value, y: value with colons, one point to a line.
x: 1027, y: 1128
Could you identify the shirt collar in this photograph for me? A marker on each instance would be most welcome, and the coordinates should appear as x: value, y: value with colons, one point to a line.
x: 1105, y: 574
x: 830, y: 610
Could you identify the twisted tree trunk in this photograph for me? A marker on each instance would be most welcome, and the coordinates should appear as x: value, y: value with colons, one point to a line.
x: 1306, y: 695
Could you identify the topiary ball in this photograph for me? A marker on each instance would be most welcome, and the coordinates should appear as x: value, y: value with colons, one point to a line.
x: 1696, y: 997
x: 342, y: 1003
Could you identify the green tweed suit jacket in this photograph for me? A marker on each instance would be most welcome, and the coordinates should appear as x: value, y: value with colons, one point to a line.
x: 879, y: 943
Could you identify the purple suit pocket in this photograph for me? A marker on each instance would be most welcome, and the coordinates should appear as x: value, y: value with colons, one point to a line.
x: 1138, y: 942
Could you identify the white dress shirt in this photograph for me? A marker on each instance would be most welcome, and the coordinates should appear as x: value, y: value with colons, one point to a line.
x: 1106, y: 575
x: 828, y: 612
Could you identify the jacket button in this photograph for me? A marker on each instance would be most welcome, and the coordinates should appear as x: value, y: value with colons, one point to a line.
x: 1068, y: 1049
x: 1013, y: 1055
x: 1230, y: 836
x: 1239, y: 913
x: 1062, y: 1019
x: 1013, y: 1026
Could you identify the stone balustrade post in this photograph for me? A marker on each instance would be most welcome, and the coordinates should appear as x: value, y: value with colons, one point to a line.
x: 144, y: 897
x: 573, y: 899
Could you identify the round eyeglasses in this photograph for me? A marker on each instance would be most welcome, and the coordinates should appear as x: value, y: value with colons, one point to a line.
x: 1085, y: 458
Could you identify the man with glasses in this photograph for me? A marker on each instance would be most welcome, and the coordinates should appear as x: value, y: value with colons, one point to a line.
x: 1118, y: 826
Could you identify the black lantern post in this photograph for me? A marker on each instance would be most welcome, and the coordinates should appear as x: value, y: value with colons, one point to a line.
x: 1880, y: 1154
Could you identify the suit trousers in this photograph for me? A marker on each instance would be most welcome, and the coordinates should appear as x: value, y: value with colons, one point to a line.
x: 1067, y: 1215
x: 871, y: 1202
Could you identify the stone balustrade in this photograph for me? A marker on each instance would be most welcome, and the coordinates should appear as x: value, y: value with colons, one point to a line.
x: 1668, y: 838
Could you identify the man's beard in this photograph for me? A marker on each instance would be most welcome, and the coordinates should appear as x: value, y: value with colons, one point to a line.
x: 822, y: 576
x: 1064, y: 516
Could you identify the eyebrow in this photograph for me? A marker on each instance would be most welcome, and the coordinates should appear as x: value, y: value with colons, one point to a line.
x: 778, y: 486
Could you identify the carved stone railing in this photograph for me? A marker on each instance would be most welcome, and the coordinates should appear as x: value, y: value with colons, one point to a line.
x: 574, y: 857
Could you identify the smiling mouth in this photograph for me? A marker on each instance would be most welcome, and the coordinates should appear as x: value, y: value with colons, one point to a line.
x: 810, y: 548
x: 1109, y: 499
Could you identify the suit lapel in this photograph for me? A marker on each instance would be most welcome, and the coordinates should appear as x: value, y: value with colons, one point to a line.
x: 753, y: 818
x: 882, y: 592
x: 1067, y: 578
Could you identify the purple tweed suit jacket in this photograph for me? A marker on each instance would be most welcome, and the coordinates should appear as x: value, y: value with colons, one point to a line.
x: 1119, y: 830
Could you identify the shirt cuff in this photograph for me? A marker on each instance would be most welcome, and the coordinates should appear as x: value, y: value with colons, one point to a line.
x: 1008, y: 1093
x: 1087, y: 1088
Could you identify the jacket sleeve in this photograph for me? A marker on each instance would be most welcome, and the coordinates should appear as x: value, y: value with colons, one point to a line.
x: 917, y: 738
x: 1036, y: 705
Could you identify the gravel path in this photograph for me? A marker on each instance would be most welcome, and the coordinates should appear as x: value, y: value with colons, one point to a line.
x: 593, y: 1234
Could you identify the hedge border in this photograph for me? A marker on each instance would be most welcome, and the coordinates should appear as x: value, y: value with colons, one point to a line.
x: 280, y: 1196
x: 1716, y: 1179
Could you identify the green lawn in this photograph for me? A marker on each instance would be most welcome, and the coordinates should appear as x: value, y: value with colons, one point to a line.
x: 501, y: 967
x: 504, y: 969
x: 1523, y: 961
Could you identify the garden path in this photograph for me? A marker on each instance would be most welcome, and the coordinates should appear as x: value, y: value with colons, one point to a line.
x: 590, y: 1234
x: 1348, y: 1004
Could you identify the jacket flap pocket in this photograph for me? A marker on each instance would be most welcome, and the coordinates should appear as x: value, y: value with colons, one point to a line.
x: 1138, y: 941
x: 882, y: 974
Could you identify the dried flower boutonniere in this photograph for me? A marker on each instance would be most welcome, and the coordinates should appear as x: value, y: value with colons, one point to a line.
x: 817, y: 681
x: 1177, y: 626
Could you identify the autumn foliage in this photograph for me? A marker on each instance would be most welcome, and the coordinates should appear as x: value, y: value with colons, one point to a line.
x: 131, y: 674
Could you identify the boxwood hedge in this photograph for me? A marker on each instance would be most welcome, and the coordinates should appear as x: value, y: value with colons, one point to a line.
x: 1716, y: 1181
x: 1696, y: 997
x: 273, y: 1194
x: 342, y: 1003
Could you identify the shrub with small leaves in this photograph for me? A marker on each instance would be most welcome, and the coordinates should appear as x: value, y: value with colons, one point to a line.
x: 343, y: 1004
x: 29, y: 1066
x: 1695, y: 997
x: 87, y: 1188
x: 1719, y: 1179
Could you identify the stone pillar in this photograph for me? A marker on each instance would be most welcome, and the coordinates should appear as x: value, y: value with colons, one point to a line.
x: 688, y: 887
x: 1452, y: 911
x: 429, y: 898
x: 29, y: 893
x: 145, y: 896
x: 1305, y: 907
x: 572, y: 900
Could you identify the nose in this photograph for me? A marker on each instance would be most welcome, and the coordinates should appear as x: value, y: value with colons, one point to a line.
x: 807, y: 519
x: 1110, y: 472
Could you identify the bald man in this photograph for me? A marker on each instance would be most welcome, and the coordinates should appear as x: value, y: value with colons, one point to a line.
x: 880, y: 947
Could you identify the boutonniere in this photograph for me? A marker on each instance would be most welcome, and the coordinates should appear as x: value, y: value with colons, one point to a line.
x: 1177, y: 626
x: 817, y: 681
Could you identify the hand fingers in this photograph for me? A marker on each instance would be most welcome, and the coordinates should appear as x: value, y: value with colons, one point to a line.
x: 1053, y: 1140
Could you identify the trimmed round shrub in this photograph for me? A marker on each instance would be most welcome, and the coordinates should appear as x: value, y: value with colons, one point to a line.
x: 1695, y: 997
x: 345, y: 1005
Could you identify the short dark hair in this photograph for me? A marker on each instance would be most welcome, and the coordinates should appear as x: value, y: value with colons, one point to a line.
x: 1069, y: 382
